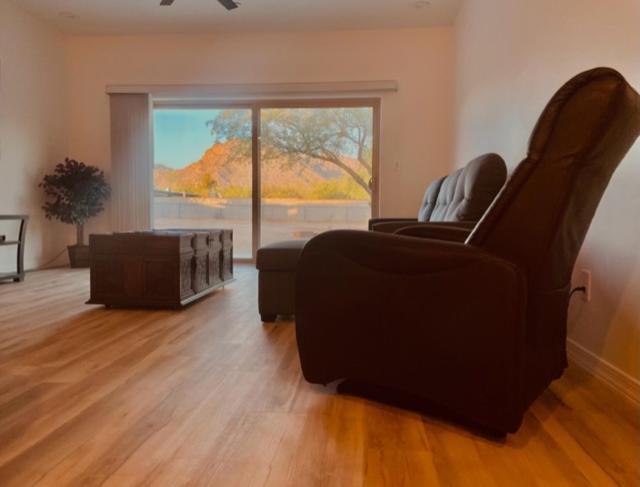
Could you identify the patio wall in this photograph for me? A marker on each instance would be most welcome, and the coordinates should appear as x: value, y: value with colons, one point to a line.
x: 272, y: 210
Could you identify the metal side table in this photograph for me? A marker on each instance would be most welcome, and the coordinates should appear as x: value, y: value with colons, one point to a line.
x: 19, y: 274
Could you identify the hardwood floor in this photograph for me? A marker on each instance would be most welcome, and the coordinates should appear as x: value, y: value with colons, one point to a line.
x: 210, y: 396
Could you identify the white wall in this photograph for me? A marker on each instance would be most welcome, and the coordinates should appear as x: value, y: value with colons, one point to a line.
x: 32, y: 127
x: 511, y: 57
x: 416, y: 122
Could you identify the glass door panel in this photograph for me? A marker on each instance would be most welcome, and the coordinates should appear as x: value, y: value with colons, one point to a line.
x: 316, y: 166
x: 203, y: 171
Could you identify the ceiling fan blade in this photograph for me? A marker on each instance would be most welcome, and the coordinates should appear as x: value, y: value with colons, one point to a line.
x: 166, y: 3
x: 228, y: 4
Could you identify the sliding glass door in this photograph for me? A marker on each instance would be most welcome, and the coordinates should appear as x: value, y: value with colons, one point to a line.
x: 271, y: 171
x: 203, y: 171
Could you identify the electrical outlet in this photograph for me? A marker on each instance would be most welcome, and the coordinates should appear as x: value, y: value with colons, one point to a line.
x: 585, y: 277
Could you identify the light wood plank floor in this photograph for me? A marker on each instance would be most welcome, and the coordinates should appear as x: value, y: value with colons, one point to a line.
x: 210, y: 396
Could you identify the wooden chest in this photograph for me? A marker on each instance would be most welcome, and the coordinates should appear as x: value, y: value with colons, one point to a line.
x: 165, y: 268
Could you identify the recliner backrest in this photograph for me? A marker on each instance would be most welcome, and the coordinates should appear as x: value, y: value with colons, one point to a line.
x: 429, y: 200
x: 465, y: 194
x: 540, y: 218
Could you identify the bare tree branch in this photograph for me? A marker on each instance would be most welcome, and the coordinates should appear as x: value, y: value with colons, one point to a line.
x: 319, y: 134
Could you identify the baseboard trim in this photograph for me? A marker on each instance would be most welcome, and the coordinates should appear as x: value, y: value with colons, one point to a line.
x: 603, y: 370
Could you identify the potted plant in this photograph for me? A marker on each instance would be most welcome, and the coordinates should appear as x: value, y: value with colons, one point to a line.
x: 75, y: 192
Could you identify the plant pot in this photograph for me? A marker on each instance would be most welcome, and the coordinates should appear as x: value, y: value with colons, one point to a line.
x: 78, y: 256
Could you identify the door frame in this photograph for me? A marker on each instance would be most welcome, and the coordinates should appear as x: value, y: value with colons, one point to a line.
x: 256, y: 106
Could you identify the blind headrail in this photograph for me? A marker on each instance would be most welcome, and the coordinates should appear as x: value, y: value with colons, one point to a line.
x: 198, y: 91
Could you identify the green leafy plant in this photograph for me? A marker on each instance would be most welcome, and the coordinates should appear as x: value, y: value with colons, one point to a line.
x: 75, y: 192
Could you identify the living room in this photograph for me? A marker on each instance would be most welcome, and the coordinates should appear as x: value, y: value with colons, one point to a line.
x: 366, y: 348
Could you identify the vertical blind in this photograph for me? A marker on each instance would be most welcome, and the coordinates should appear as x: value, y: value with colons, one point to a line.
x: 131, y: 161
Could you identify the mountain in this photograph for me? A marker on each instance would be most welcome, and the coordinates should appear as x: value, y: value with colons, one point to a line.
x: 224, y: 170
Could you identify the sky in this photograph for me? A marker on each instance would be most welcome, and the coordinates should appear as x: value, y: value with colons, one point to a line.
x: 181, y: 136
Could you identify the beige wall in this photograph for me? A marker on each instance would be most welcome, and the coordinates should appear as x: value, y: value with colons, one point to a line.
x: 416, y: 121
x: 32, y: 126
x: 511, y: 57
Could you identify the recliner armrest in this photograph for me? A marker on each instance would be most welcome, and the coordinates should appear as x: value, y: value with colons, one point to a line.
x: 438, y: 231
x: 379, y: 224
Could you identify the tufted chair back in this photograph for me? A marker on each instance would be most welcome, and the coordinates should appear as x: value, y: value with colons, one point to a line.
x: 464, y: 195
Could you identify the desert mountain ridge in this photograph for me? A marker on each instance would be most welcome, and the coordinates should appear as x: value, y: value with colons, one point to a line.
x: 225, y: 169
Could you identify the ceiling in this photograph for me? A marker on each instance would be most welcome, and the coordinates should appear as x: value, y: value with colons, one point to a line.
x: 105, y: 17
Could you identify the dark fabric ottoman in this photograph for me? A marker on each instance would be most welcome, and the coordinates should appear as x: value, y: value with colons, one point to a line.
x: 277, y: 265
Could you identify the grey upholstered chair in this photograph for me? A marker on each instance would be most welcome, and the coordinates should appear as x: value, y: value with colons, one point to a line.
x: 457, y: 200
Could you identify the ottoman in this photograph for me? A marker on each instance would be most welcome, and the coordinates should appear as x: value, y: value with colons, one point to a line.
x: 276, y: 264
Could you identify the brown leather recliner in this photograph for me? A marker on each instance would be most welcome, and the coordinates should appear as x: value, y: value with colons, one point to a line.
x: 479, y: 328
x: 457, y: 200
